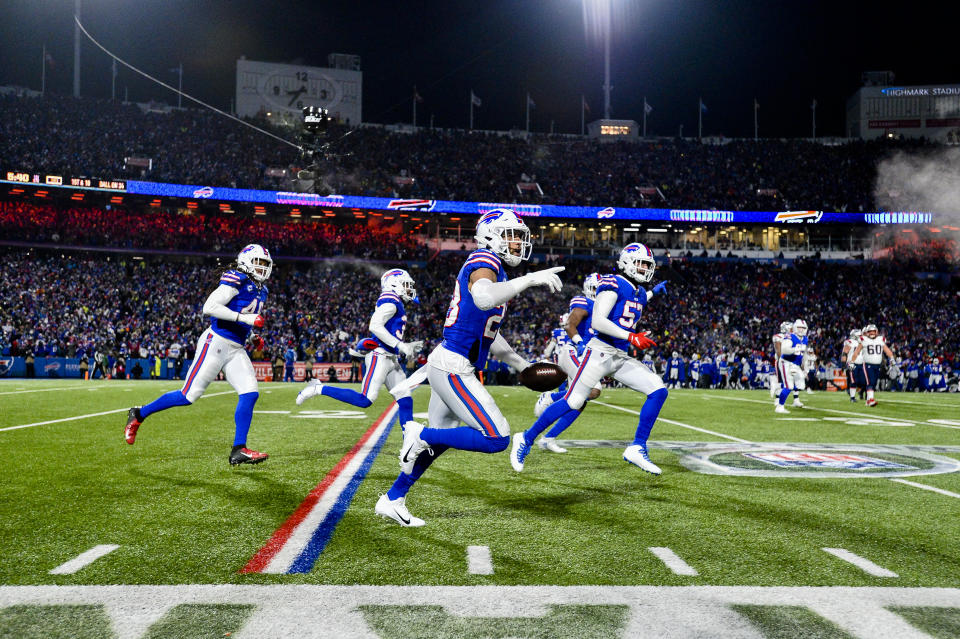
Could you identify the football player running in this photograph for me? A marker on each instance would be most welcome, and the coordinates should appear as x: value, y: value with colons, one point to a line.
x: 235, y: 308
x: 790, y: 365
x: 578, y: 331
x: 470, y: 333
x: 616, y: 313
x: 873, y: 347
x: 386, y: 325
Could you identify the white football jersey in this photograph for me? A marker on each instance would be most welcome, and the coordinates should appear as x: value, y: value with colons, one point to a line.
x: 853, y: 346
x: 872, y: 352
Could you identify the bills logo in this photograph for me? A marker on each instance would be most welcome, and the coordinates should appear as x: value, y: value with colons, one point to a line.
x: 309, y: 199
x: 206, y: 191
x: 52, y: 366
x: 412, y: 205
x: 522, y: 210
x: 844, y: 461
x: 811, y: 217
x: 607, y: 212
x: 6, y: 364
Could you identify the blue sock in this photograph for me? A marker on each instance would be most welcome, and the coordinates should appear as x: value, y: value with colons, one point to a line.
x: 558, y: 394
x: 784, y: 394
x: 554, y: 412
x: 243, y: 416
x: 347, y: 395
x: 464, y: 438
x: 405, y: 409
x: 165, y: 401
x: 404, y: 481
x: 648, y: 415
x: 563, y: 423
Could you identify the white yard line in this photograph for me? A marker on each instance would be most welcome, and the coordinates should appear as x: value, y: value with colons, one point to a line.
x: 925, y: 487
x: 83, y: 559
x: 672, y: 561
x: 479, y: 561
x: 75, y: 417
x: 828, y: 410
x: 42, y: 390
x: 865, y: 565
x: 676, y: 423
x: 904, y: 401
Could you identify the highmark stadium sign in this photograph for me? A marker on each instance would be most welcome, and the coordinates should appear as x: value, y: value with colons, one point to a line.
x: 598, y: 213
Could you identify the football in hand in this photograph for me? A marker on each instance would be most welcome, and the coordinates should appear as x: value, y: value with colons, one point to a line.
x: 542, y: 376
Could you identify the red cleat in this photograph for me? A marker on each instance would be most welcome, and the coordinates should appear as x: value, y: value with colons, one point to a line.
x: 871, y: 402
x: 246, y: 456
x: 133, y: 423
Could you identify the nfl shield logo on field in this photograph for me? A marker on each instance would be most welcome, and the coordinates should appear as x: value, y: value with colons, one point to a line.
x: 839, y: 461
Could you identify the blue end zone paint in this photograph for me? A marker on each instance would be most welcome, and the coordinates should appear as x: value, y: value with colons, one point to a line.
x: 321, y: 536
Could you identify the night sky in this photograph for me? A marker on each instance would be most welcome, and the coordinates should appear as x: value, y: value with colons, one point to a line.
x: 783, y: 54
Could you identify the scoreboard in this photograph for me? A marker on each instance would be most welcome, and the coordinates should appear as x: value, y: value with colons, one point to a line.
x: 283, y: 90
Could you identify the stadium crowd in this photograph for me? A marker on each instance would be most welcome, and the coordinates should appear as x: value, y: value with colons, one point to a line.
x: 83, y: 136
x: 163, y: 230
x: 75, y: 306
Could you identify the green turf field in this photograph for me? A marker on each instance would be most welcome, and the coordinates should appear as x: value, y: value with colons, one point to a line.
x: 178, y: 514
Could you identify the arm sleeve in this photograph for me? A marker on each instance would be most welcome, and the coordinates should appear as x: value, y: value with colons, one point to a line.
x: 502, y: 351
x: 216, y: 304
x: 601, y: 309
x: 488, y: 294
x: 552, y: 346
x: 378, y: 324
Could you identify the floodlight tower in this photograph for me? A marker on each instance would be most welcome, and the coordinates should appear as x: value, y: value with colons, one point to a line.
x: 598, y: 22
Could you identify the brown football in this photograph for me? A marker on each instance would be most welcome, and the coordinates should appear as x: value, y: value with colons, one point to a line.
x: 542, y: 376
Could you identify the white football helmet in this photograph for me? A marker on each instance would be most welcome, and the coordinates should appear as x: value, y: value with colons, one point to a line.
x: 675, y: 355
x: 399, y: 281
x: 786, y: 327
x: 695, y: 357
x: 255, y: 261
x: 590, y: 283
x: 501, y: 231
x: 800, y: 328
x: 855, y: 333
x: 936, y: 361
x: 870, y: 328
x: 563, y: 319
x: 636, y: 261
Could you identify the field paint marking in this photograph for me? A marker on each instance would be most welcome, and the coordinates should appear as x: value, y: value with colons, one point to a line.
x: 904, y: 401
x: 676, y: 423
x: 314, y: 611
x: 865, y: 565
x: 673, y: 561
x: 925, y: 487
x: 84, y: 559
x: 479, y: 561
x: 40, y: 390
x: 272, y: 412
x: 109, y: 412
x: 296, y: 544
x: 829, y: 410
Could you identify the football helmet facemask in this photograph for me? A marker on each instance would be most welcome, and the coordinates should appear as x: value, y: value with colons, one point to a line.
x: 799, y: 328
x: 502, y: 232
x: 786, y: 327
x: 255, y: 261
x: 399, y: 281
x: 636, y: 262
x: 870, y: 328
x: 590, y: 283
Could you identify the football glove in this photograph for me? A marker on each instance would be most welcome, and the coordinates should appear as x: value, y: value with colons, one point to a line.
x: 257, y: 343
x: 580, y: 346
x: 409, y: 348
x: 641, y: 341
x: 251, y: 319
x: 660, y: 289
x: 547, y: 277
x: 851, y: 365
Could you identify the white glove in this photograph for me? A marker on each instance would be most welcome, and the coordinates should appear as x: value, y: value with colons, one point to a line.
x: 409, y: 348
x: 547, y: 277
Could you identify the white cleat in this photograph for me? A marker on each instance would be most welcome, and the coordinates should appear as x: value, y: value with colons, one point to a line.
x: 312, y: 389
x: 550, y: 443
x: 797, y: 403
x: 396, y: 509
x: 412, y: 446
x: 637, y: 455
x: 519, y: 452
x: 781, y: 409
x: 543, y: 403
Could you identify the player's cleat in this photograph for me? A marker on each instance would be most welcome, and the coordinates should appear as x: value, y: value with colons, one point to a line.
x: 781, y: 409
x: 853, y: 400
x: 871, y: 402
x: 519, y: 452
x: 412, y: 446
x: 312, y: 389
x: 246, y: 456
x: 396, y: 509
x: 550, y: 443
x: 543, y: 402
x: 133, y: 423
x: 637, y: 455
x: 797, y: 403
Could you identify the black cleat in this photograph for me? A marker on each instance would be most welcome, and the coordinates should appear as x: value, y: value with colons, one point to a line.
x: 243, y: 455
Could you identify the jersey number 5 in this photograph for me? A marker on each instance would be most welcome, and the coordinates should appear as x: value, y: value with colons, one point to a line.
x: 628, y: 318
